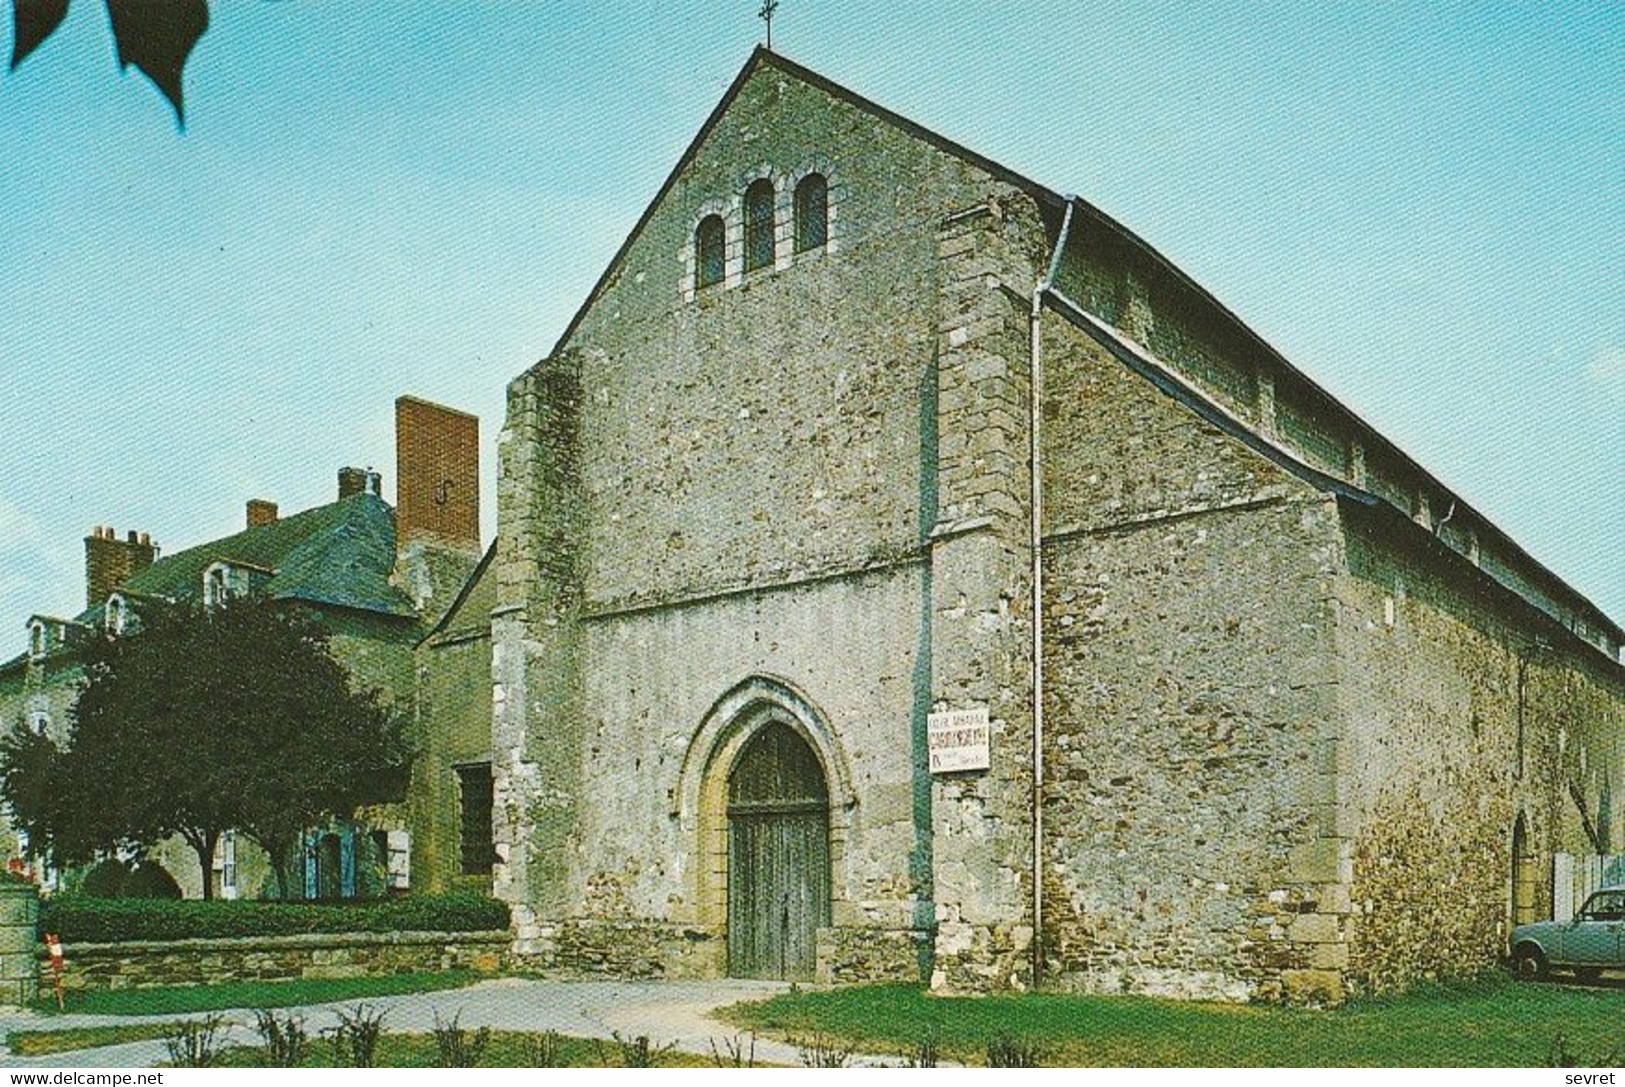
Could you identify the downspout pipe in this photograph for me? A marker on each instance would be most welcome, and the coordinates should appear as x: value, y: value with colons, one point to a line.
x: 1035, y: 541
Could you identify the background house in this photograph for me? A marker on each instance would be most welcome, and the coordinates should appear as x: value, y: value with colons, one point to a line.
x: 376, y: 578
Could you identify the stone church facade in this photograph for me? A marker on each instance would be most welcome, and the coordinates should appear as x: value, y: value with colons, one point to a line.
x: 1272, y: 713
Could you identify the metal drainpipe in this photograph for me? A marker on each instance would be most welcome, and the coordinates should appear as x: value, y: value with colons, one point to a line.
x: 1035, y: 484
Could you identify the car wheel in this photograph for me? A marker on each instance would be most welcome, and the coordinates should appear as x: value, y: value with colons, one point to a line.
x: 1528, y: 962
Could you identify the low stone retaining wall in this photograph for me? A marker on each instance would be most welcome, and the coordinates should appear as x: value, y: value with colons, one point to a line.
x: 137, y: 965
x: 642, y: 948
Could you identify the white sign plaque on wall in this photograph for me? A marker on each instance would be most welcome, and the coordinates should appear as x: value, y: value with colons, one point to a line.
x: 958, y: 740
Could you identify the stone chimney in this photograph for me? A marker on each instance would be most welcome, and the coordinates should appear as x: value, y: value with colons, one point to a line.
x: 110, y: 561
x: 437, y: 500
x: 260, y: 512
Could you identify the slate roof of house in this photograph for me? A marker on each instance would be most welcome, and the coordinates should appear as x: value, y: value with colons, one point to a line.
x: 337, y: 555
x: 340, y: 554
x: 1526, y: 577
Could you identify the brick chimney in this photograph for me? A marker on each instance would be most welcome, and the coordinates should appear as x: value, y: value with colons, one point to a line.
x: 352, y: 481
x: 260, y: 512
x: 437, y: 501
x: 437, y: 473
x: 110, y: 561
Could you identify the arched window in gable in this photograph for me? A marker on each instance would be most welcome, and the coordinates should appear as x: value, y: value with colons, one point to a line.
x: 759, y: 224
x: 812, y: 212
x: 709, y: 248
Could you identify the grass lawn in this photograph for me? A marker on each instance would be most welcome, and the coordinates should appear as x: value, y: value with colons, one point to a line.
x: 39, y: 1043
x: 1494, y: 1023
x: 181, y: 999
x: 506, y: 1049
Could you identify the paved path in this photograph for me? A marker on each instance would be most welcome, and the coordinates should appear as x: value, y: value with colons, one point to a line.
x: 666, y: 1011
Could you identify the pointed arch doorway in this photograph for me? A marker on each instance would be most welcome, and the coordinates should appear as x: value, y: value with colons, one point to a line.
x: 1525, y: 881
x: 778, y: 855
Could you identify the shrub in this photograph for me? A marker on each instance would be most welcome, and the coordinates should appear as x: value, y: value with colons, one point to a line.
x: 925, y: 1053
x: 636, y: 1052
x: 193, y: 1043
x: 736, y: 1052
x: 822, y: 1051
x: 459, y: 1047
x: 105, y: 879
x: 150, y: 880
x: 286, y: 1043
x: 544, y: 1050
x: 355, y: 1039
x: 80, y: 918
x: 1006, y: 1051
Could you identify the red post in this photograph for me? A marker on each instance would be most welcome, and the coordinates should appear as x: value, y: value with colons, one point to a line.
x: 53, y: 944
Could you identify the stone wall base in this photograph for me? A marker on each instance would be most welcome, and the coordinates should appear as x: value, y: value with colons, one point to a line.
x: 1312, y: 987
x: 852, y: 956
x: 643, y: 948
x: 623, y: 948
x: 974, y: 959
x: 276, y: 958
x: 1175, y: 983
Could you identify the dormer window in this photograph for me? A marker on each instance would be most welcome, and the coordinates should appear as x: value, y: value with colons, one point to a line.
x: 230, y: 578
x: 710, y: 248
x: 216, y: 585
x: 812, y: 213
x: 759, y: 224
x: 117, y: 614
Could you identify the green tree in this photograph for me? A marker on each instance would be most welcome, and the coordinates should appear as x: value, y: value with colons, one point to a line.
x: 155, y: 36
x: 234, y: 717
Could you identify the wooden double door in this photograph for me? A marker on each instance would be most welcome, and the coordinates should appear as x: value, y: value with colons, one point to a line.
x: 778, y: 856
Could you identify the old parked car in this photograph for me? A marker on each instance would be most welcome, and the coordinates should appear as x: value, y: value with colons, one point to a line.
x: 1592, y: 942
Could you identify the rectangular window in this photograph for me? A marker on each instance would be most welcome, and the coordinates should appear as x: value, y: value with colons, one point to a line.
x: 398, y: 865
x: 476, y: 792
x: 228, y: 864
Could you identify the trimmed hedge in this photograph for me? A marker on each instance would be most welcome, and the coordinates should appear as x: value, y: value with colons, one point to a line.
x: 115, y: 879
x: 80, y: 918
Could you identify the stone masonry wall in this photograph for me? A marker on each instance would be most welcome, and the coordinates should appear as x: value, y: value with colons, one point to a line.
x: 535, y: 663
x: 850, y: 646
x: 1440, y: 666
x: 982, y: 590
x: 1190, y: 724
x: 739, y: 481
x: 453, y: 728
x: 275, y: 958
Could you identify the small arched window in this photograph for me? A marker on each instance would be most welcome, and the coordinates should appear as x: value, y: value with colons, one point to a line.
x: 709, y: 244
x: 758, y: 224
x: 36, y: 639
x: 812, y: 213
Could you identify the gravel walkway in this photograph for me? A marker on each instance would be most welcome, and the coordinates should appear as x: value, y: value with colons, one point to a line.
x: 666, y: 1011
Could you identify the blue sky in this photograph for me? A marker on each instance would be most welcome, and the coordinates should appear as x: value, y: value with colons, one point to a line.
x: 1422, y: 205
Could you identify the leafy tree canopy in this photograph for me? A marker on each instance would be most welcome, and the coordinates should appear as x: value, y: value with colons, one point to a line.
x: 235, y: 717
x: 154, y: 35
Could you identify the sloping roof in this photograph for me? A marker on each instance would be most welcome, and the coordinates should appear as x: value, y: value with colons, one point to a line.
x: 470, y: 612
x: 340, y: 554
x: 1054, y: 205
